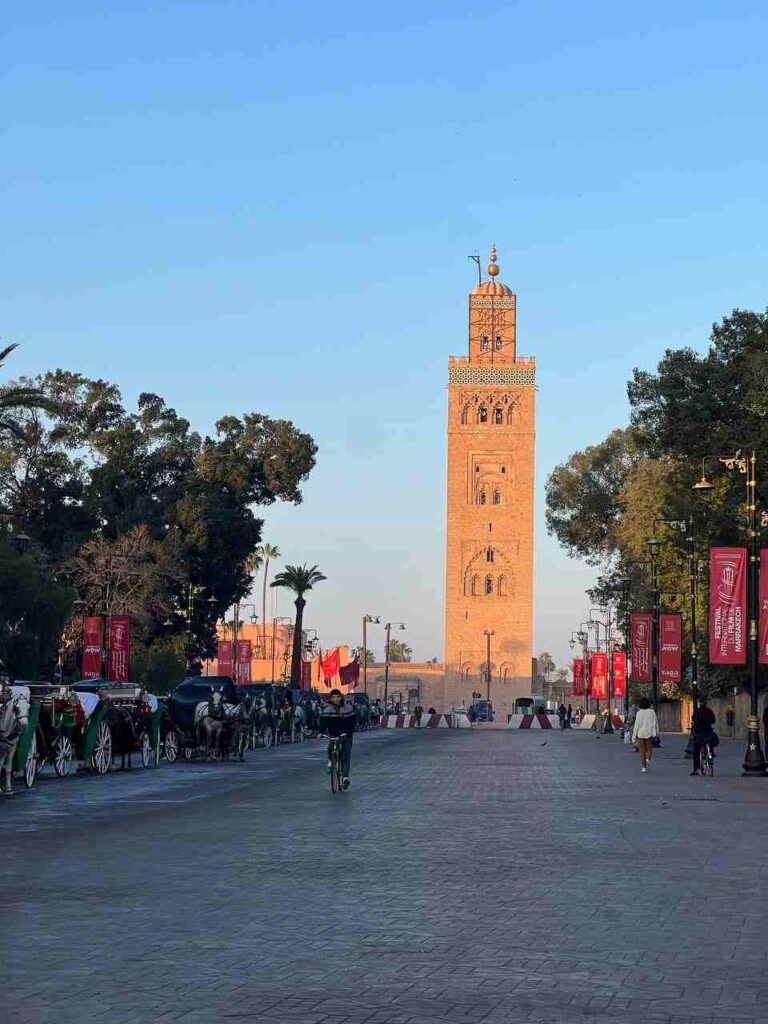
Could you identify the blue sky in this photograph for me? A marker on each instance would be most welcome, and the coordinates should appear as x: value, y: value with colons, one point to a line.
x: 260, y: 206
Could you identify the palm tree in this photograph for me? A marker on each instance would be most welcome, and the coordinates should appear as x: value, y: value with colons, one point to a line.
x: 266, y: 553
x: 299, y: 579
x: 19, y: 398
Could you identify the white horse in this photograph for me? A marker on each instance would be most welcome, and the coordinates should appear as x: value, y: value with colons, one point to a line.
x: 14, y: 717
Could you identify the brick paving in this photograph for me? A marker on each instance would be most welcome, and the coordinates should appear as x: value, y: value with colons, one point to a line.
x: 475, y: 877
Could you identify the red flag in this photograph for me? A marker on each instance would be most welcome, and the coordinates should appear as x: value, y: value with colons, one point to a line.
x: 350, y: 674
x: 578, y: 677
x: 243, y: 666
x: 728, y: 606
x: 670, y: 648
x: 598, y: 687
x: 331, y: 664
x: 763, y: 621
x: 119, y: 648
x: 619, y: 672
x: 93, y: 644
x: 224, y: 660
x: 641, y: 626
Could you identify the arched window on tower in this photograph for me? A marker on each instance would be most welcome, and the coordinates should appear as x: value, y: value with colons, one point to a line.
x: 510, y: 413
x: 482, y: 414
x: 497, y: 343
x: 465, y: 414
x: 496, y: 496
x: 498, y: 416
x: 482, y: 496
x: 484, y: 344
x: 489, y: 555
x: 488, y: 585
x: 502, y: 586
x: 475, y: 586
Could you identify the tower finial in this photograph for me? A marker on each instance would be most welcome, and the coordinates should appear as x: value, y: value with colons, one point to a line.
x: 493, y: 270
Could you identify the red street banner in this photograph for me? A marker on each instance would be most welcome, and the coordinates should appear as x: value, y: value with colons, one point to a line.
x: 670, y: 647
x: 349, y: 675
x: 762, y: 632
x: 93, y: 643
x: 224, y: 666
x: 331, y: 664
x: 598, y: 688
x: 619, y: 672
x: 728, y: 606
x: 578, y: 677
x: 119, y: 648
x: 640, y: 628
x: 243, y: 666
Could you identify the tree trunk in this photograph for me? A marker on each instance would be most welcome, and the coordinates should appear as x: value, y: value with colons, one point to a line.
x: 264, y: 609
x: 296, y: 655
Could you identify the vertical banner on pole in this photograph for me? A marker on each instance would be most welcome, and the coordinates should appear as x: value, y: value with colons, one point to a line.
x: 598, y: 688
x: 670, y: 647
x: 579, y: 687
x: 728, y: 606
x: 224, y: 658
x: 93, y: 646
x: 119, y: 648
x: 619, y: 670
x: 762, y: 631
x: 243, y: 666
x: 640, y: 629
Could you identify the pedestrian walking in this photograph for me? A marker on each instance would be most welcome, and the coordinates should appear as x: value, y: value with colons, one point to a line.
x: 644, y: 731
x: 418, y: 711
x: 568, y: 716
x: 561, y: 713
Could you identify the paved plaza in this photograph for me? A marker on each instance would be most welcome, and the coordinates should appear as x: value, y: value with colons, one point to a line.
x: 487, y: 876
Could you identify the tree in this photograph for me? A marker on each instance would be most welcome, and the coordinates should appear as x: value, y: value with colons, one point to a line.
x: 399, y: 651
x: 16, y: 398
x: 266, y: 553
x: 299, y: 579
x: 545, y: 663
x: 357, y: 652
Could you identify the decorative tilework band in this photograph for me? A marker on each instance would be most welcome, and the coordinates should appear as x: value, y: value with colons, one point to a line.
x: 506, y: 375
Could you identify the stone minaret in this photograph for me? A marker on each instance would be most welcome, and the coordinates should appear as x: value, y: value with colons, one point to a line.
x: 489, y: 556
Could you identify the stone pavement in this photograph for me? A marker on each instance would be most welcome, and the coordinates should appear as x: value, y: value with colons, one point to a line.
x: 484, y: 876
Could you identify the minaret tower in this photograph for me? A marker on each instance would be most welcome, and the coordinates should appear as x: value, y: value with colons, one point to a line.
x: 489, y: 556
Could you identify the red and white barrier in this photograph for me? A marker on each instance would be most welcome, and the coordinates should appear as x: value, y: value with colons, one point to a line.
x: 437, y: 721
x: 533, y: 722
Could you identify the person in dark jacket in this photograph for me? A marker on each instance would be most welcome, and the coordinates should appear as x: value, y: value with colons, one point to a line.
x: 338, y: 719
x: 703, y: 732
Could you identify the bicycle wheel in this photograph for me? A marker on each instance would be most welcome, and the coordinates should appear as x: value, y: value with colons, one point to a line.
x: 706, y: 760
x: 338, y: 770
x: 335, y: 777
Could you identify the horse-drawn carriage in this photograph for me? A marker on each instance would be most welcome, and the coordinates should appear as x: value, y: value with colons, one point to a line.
x: 211, y: 717
x: 118, y: 720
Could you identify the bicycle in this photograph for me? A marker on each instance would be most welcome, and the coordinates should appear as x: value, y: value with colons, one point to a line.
x: 334, y: 756
x: 707, y: 760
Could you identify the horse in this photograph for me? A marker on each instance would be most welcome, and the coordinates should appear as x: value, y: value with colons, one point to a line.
x: 14, y: 717
x: 211, y: 725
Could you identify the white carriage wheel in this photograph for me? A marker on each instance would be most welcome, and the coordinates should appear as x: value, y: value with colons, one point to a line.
x: 30, y: 765
x: 145, y: 748
x: 102, y: 751
x: 63, y: 756
x: 171, y: 745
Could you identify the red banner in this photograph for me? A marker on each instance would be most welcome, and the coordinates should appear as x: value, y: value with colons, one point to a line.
x: 349, y: 675
x: 619, y: 673
x: 224, y: 659
x: 640, y: 629
x: 579, y: 687
x: 331, y: 664
x: 728, y: 606
x: 598, y: 685
x: 243, y: 666
x: 670, y: 648
x: 93, y: 646
x: 762, y: 653
x: 119, y: 648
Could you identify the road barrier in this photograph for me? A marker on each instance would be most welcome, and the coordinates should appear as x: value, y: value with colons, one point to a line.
x: 437, y: 721
x: 533, y: 722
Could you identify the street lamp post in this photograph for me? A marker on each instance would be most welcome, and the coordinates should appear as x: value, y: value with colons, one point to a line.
x: 366, y: 619
x: 488, y: 634
x: 282, y: 620
x: 653, y: 544
x: 388, y: 628
x: 754, y: 762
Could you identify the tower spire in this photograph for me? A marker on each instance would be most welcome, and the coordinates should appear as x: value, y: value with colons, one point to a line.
x: 493, y: 270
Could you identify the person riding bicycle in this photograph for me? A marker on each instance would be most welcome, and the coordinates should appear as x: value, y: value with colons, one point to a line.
x: 703, y: 732
x: 338, y: 720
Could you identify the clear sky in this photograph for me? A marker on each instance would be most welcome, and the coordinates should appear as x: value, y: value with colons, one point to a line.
x: 250, y: 205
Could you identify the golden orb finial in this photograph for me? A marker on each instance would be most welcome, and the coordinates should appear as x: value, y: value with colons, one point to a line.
x: 493, y: 270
